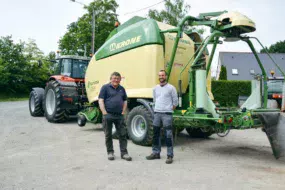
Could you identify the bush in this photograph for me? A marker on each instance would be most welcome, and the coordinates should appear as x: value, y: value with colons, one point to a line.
x: 227, y: 92
x: 223, y: 74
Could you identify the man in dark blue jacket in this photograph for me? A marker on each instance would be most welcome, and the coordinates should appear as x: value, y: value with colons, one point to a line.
x: 113, y: 104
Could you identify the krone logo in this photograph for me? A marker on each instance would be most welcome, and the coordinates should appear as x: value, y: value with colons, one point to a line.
x: 115, y: 46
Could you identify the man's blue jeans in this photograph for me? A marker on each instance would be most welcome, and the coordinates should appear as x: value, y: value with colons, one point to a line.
x: 165, y: 120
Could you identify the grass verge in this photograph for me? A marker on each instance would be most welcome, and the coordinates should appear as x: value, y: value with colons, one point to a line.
x: 13, y: 97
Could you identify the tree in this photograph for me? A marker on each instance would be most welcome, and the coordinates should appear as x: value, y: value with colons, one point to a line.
x: 19, y: 66
x: 79, y: 34
x: 278, y: 47
x: 223, y: 73
x: 35, y: 74
x: 173, y: 13
x: 12, y: 64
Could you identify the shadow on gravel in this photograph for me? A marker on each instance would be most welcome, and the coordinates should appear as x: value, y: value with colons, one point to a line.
x: 257, y: 152
x: 93, y: 129
x: 185, y: 139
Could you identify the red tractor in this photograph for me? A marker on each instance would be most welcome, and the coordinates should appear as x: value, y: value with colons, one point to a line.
x: 64, y: 94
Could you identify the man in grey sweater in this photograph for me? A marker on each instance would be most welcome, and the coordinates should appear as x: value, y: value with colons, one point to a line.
x: 165, y: 100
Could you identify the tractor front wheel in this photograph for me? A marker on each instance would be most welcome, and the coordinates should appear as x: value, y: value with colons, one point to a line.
x: 52, y: 102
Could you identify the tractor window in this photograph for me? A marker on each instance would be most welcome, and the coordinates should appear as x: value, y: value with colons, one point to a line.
x: 79, y: 68
x: 66, y: 67
x: 275, y: 86
x: 56, y: 67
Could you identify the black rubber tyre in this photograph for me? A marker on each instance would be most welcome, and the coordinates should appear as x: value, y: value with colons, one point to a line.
x: 198, y: 133
x: 178, y: 131
x: 81, y: 120
x: 52, y: 102
x: 143, y: 134
x: 114, y: 131
x: 35, y: 103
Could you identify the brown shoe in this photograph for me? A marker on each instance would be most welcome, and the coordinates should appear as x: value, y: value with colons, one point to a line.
x: 126, y: 157
x: 169, y: 160
x: 153, y: 156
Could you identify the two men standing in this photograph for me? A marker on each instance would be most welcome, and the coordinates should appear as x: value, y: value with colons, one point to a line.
x: 113, y: 104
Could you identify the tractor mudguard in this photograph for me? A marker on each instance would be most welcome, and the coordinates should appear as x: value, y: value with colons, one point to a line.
x: 147, y: 105
x: 69, y: 95
x: 274, y: 124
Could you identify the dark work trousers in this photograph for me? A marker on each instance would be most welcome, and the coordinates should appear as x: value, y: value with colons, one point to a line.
x: 165, y: 120
x: 118, y: 121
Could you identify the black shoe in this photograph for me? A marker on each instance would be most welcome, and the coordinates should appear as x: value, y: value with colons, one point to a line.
x: 153, y: 156
x: 126, y: 157
x: 169, y: 160
x: 111, y: 156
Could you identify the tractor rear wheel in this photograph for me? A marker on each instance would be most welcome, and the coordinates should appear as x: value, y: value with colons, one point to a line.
x: 35, y: 103
x: 198, y: 133
x: 139, y: 125
x: 52, y: 102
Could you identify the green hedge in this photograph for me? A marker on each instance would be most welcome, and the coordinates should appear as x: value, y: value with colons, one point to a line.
x: 227, y: 92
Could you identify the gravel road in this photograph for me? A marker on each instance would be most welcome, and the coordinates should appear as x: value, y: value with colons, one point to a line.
x: 36, y: 154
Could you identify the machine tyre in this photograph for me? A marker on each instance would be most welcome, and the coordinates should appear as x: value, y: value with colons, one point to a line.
x: 198, y: 133
x: 139, y: 125
x: 114, y: 131
x: 81, y: 120
x: 52, y: 102
x: 178, y: 131
x: 35, y: 104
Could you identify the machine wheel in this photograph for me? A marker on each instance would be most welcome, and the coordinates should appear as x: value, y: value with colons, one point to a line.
x: 139, y: 125
x: 223, y: 134
x: 35, y: 103
x: 198, y: 133
x: 178, y: 131
x: 52, y: 101
x: 114, y: 130
x: 81, y: 120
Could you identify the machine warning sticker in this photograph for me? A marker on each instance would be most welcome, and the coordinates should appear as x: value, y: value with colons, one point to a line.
x: 91, y: 84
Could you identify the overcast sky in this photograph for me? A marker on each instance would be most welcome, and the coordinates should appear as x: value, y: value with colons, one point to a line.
x: 46, y: 20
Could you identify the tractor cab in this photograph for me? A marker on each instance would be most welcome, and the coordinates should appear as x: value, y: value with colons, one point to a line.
x: 71, y: 66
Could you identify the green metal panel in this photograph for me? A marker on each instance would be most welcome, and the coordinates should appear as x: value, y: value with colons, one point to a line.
x: 133, y: 20
x: 131, y: 36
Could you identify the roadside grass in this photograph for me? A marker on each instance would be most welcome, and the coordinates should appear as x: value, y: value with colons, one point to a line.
x: 4, y: 97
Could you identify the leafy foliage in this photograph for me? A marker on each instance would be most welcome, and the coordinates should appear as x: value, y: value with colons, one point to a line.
x: 173, y: 13
x: 19, y: 66
x: 278, y: 47
x: 79, y: 33
x: 223, y: 73
x: 227, y: 92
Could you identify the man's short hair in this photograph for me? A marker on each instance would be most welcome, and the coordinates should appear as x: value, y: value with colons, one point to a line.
x: 117, y: 74
x: 162, y: 70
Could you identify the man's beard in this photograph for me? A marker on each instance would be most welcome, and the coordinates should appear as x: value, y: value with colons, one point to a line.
x: 162, y: 80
